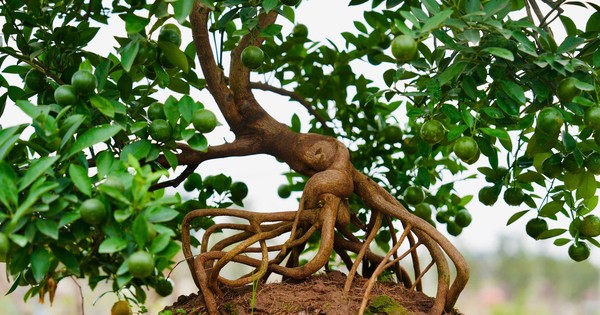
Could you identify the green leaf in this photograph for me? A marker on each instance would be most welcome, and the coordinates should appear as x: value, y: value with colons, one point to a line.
x: 81, y: 180
x: 29, y: 109
x: 135, y: 24
x: 174, y: 55
x: 570, y: 27
x: 271, y: 30
x: 269, y: 5
x: 498, y: 133
x: 160, y: 214
x: 8, y: 193
x: 551, y: 233
x: 159, y: 243
x: 93, y: 136
x: 140, y: 230
x: 561, y: 241
x: 198, y: 142
x: 128, y: 54
x: 569, y: 44
x: 36, y: 169
x: 182, y: 9
x: 587, y: 188
x: 47, y: 227
x: 500, y: 53
x: 139, y: 149
x: 514, y: 90
x: 40, y: 263
x: 516, y: 217
x: 569, y: 142
x: 39, y: 188
x: 112, y: 245
x: 436, y: 21
x: 67, y: 258
x: 103, y: 105
x: 551, y: 208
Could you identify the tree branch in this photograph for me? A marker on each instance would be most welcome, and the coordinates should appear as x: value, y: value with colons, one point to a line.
x: 294, y: 96
x: 215, y: 79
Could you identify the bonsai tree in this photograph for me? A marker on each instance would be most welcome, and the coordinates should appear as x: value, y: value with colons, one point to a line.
x: 464, y: 82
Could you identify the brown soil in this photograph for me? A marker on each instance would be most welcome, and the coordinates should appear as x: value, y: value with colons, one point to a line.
x: 320, y: 294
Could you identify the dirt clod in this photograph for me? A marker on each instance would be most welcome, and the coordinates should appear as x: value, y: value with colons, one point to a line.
x: 319, y: 294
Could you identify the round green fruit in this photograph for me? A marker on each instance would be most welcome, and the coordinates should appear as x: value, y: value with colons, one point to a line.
x: 170, y: 33
x: 570, y: 164
x: 300, y: 31
x: 120, y: 308
x: 423, y: 211
x: 488, y: 195
x: 392, y: 134
x: 453, y: 228
x: 92, y: 211
x: 141, y: 264
x: 194, y: 181
x: 155, y: 111
x: 4, y: 246
x: 463, y: 218
x: 590, y: 226
x: 535, y: 227
x: 84, y: 82
x: 579, y: 251
x: 290, y: 3
x: 432, y: 131
x: 591, y: 118
x: 404, y: 48
x: 35, y: 80
x: 592, y: 163
x: 567, y: 90
x: 164, y: 287
x: 513, y: 196
x: 552, y: 167
x: 550, y: 120
x: 252, y: 57
x: 284, y: 191
x: 146, y: 55
x: 65, y: 95
x: 413, y: 195
x: 239, y: 190
x: 204, y: 120
x: 160, y: 130
x: 465, y: 148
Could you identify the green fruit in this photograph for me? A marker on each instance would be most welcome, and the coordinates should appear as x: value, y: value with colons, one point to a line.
x: 204, y: 120
x: 392, y: 134
x: 284, y: 191
x: 252, y: 57
x: 238, y: 190
x: 597, y: 138
x: 567, y: 90
x: 442, y: 216
x: 404, y: 48
x: 4, y: 246
x: 300, y: 31
x: 160, y: 130
x: 423, y: 211
x: 590, y: 226
x: 591, y: 118
x: 164, y: 287
x: 453, y: 229
x: 514, y: 196
x: 146, y: 55
x: 84, y: 82
x: 579, y: 251
x: 194, y: 181
x: 92, y: 211
x: 35, y: 80
x: 488, y: 195
x: 474, y: 159
x: 535, y: 227
x: 465, y: 148
x: 433, y: 131
x: 120, y: 308
x: 552, y: 167
x: 409, y: 145
x: 413, y: 195
x: 463, y: 218
x: 550, y: 120
x: 141, y: 264
x: 570, y: 164
x: 170, y: 33
x: 155, y: 111
x: 65, y: 95
x: 592, y: 163
x: 164, y: 61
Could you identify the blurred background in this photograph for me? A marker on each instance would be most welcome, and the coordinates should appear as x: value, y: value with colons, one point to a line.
x: 510, y: 272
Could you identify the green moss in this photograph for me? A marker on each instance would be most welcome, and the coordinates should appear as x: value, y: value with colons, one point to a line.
x: 383, y: 304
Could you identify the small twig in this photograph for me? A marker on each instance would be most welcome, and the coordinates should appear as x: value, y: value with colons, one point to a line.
x: 80, y: 294
x: 294, y: 96
x: 177, y: 180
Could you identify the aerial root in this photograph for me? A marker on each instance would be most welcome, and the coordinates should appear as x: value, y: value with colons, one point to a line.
x: 254, y: 244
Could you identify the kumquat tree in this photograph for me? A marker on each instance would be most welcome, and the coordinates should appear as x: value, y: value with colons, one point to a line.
x: 87, y: 183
